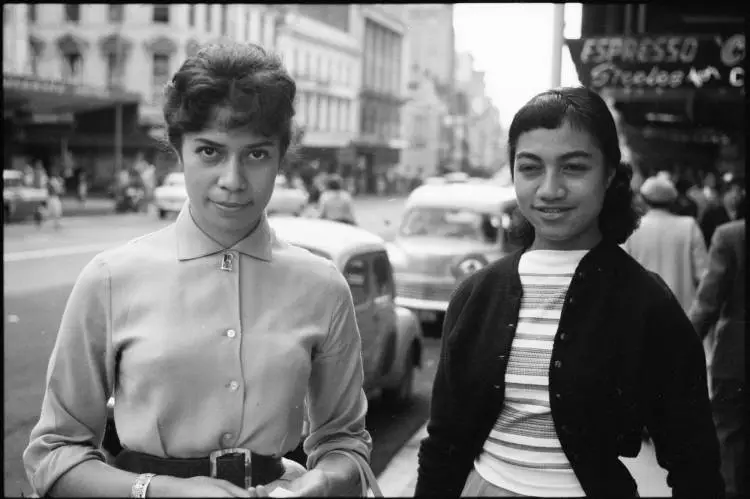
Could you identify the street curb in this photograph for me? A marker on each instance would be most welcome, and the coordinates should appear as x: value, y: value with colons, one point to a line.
x: 400, y: 476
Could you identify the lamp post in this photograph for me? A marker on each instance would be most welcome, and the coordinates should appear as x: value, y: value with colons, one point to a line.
x: 558, y: 38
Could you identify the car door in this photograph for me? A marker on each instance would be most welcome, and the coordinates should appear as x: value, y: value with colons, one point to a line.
x: 358, y: 274
x: 385, y: 313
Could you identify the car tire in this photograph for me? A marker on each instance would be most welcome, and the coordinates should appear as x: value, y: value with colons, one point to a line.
x: 402, y: 393
x: 162, y: 214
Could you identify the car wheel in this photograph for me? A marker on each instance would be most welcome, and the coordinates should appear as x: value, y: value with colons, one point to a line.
x: 402, y: 393
x: 163, y: 214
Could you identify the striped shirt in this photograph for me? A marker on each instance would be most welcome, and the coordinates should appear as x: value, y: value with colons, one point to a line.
x: 522, y: 453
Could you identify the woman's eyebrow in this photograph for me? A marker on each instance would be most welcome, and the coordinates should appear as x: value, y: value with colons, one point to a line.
x: 209, y: 142
x: 576, y: 154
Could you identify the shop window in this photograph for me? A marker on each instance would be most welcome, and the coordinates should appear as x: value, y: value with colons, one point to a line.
x: 161, y: 14
x: 357, y: 274
x: 115, y: 70
x: 116, y: 13
x: 32, y: 13
x: 247, y: 24
x: 160, y: 76
x: 73, y: 68
x: 209, y: 16
x: 262, y: 32
x: 72, y: 12
x: 191, y: 16
x: 224, y: 20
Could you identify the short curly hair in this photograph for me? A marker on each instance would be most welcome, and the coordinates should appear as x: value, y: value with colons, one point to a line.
x: 584, y: 110
x: 244, y: 79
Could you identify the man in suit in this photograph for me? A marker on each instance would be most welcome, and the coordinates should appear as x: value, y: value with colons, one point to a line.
x: 720, y: 301
x: 730, y: 208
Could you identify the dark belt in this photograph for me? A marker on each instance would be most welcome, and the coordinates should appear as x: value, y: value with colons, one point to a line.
x: 239, y: 466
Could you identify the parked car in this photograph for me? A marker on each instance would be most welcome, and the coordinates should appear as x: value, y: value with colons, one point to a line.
x: 448, y: 231
x: 171, y: 195
x: 286, y: 199
x: 392, y: 339
x: 20, y: 201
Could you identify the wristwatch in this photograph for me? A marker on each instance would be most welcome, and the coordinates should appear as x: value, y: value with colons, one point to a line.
x: 141, y: 485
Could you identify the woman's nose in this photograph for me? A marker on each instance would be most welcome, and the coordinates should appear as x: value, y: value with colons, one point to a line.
x: 232, y: 178
x: 552, y: 187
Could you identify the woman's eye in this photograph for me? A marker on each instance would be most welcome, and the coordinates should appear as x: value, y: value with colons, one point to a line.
x: 258, y: 155
x: 527, y: 168
x: 576, y: 167
x: 207, y: 152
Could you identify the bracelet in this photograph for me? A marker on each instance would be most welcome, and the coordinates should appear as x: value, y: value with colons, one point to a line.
x: 141, y: 485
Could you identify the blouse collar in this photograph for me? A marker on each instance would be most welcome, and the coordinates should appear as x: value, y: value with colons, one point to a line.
x: 193, y: 243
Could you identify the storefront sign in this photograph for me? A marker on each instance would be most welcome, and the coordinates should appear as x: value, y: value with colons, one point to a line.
x: 37, y: 85
x: 664, y: 62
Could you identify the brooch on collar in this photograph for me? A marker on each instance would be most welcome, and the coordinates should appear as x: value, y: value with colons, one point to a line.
x: 226, y: 262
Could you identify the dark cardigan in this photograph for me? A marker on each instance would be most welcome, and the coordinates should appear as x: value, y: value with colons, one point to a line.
x: 625, y: 356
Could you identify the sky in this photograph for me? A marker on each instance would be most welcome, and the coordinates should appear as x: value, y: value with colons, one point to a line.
x: 512, y: 43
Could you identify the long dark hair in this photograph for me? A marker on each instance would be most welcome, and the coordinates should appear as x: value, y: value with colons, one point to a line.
x: 583, y: 110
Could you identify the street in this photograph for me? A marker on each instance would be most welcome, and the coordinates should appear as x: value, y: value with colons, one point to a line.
x: 40, y: 267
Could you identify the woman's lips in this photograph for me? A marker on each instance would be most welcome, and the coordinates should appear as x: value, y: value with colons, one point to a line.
x: 232, y: 206
x: 552, y: 213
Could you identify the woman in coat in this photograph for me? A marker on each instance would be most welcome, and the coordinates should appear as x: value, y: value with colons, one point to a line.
x: 555, y: 357
x: 206, y: 331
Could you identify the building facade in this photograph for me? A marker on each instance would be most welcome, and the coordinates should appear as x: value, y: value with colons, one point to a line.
x: 385, y: 63
x: 321, y: 48
x: 15, y: 36
x: 432, y: 40
x: 424, y: 114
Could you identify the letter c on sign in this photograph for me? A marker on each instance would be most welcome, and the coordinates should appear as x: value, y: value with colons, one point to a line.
x: 737, y: 77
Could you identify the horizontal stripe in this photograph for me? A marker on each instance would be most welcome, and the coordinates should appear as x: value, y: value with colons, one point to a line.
x: 537, y: 336
x: 533, y: 465
x: 526, y: 386
x: 498, y: 440
x: 549, y: 443
x: 524, y: 454
x: 528, y: 397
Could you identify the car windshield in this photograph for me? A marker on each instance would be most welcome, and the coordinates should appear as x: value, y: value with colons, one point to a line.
x: 455, y: 223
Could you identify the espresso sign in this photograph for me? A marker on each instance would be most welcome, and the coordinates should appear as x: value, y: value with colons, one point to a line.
x: 665, y: 62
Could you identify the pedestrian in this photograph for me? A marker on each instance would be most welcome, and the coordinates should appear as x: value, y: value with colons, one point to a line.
x: 730, y: 208
x: 40, y: 175
x: 209, y: 333
x: 669, y: 244
x: 720, y: 302
x: 83, y: 187
x: 683, y: 205
x: 556, y: 356
x: 335, y: 203
x: 55, y: 189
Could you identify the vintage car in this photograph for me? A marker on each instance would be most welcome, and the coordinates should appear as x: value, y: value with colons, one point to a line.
x: 171, y: 195
x: 20, y: 201
x: 286, y: 199
x: 391, y: 335
x: 448, y: 231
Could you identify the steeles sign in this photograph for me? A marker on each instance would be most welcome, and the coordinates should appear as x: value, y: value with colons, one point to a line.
x: 663, y: 62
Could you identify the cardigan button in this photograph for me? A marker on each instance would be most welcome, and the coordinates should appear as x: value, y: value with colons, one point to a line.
x: 558, y: 364
x: 558, y: 396
x: 563, y: 336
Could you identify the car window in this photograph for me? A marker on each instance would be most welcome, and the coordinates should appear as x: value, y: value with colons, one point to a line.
x: 357, y: 274
x: 381, y: 269
x: 11, y: 182
x: 457, y: 223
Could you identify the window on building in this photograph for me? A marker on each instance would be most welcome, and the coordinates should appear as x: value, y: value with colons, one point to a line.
x: 312, y: 115
x: 72, y: 12
x: 345, y: 115
x: 115, y: 70
x: 32, y: 13
x: 33, y: 58
x: 322, y: 113
x: 161, y: 14
x: 73, y: 68
x: 115, y: 12
x: 209, y: 16
x: 224, y: 20
x: 331, y: 76
x: 306, y: 68
x: 160, y: 76
x: 247, y: 24
x: 262, y: 32
x: 333, y: 114
x: 302, y: 108
x: 191, y: 15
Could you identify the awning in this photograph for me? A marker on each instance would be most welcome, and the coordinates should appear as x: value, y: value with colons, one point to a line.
x: 57, y: 97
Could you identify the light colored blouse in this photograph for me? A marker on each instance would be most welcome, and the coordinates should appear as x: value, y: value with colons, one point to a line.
x: 199, y: 358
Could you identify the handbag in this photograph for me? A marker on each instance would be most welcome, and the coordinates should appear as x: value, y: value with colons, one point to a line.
x: 366, y: 476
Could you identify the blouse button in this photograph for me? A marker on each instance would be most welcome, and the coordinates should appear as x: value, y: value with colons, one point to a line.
x: 231, y: 333
x: 558, y: 364
x: 234, y: 385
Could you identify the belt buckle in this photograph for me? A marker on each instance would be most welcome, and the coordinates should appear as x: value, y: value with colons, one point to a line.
x: 235, y: 450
